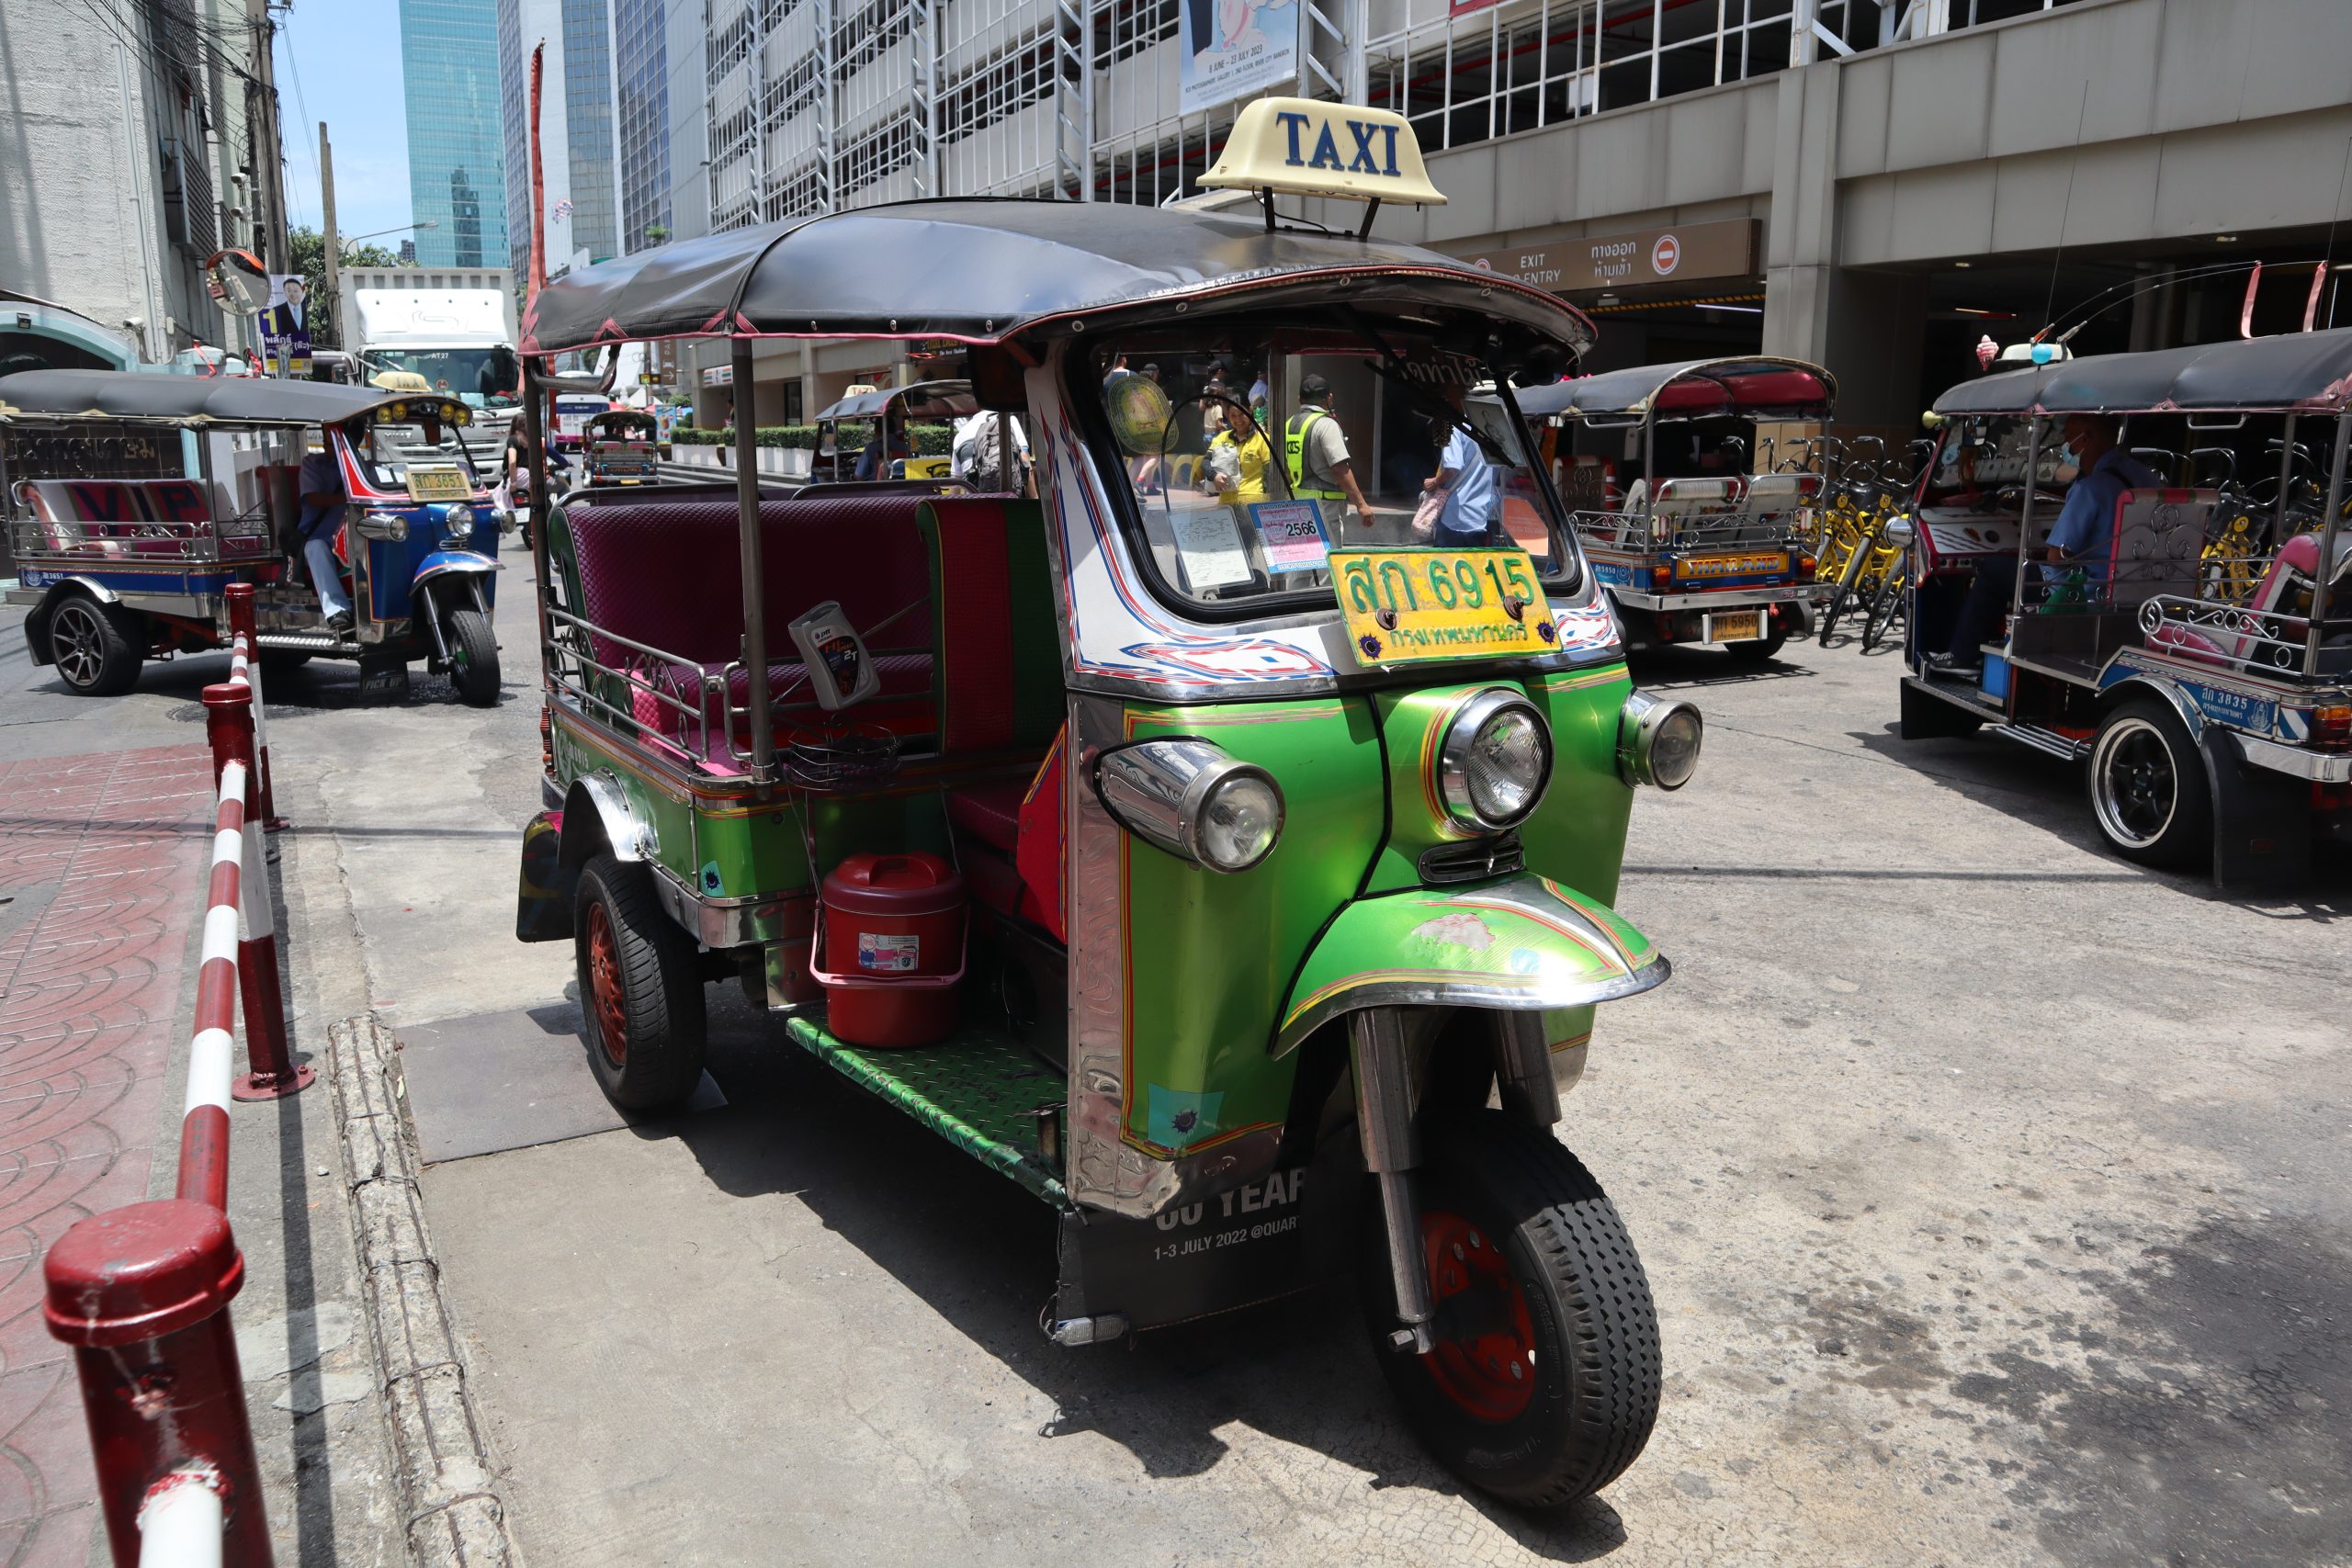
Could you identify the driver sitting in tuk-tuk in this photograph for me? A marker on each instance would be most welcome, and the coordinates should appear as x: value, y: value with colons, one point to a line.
x: 888, y: 445
x: 323, y: 500
x: 2080, y: 537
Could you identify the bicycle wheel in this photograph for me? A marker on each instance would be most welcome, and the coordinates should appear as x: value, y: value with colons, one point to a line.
x: 1887, y: 608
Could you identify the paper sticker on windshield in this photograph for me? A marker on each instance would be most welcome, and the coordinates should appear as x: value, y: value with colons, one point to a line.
x: 1293, y: 532
x: 1208, y: 543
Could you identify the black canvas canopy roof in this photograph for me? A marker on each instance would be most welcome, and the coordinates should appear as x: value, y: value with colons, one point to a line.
x: 924, y: 400
x: 1751, y: 388
x: 187, y: 400
x: 2306, y: 371
x: 983, y: 270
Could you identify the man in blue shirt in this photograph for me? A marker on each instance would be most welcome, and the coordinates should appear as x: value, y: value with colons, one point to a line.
x: 2081, y: 537
x: 1468, y: 482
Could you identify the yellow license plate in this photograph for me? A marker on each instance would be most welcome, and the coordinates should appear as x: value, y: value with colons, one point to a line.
x: 1405, y: 606
x: 1736, y: 625
x: 1731, y: 566
x: 439, y: 483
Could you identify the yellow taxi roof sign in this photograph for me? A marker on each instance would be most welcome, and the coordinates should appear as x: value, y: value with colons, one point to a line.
x: 1301, y: 147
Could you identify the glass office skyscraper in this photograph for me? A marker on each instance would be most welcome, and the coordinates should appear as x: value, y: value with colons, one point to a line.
x: 575, y: 128
x: 641, y: 56
x: 456, y: 166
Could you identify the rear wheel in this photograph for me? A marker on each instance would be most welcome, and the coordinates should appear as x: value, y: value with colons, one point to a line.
x: 473, y: 658
x: 640, y: 989
x: 1545, y: 1380
x: 2147, y: 788
x: 97, y: 647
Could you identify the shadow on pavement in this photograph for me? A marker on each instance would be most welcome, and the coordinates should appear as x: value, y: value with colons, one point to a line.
x: 2047, y: 797
x: 979, y: 1251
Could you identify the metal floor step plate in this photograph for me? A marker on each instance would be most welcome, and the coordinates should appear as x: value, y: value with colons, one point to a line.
x: 2065, y: 748
x: 978, y: 1089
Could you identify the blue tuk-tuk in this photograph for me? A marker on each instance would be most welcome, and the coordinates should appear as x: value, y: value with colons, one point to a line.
x: 133, y: 502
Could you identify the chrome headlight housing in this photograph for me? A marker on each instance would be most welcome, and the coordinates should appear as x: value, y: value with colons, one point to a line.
x: 1496, y: 761
x: 1188, y: 798
x: 1658, y: 740
x: 457, y: 525
x: 381, y: 525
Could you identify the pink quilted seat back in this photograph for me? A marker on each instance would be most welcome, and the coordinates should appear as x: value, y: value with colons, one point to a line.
x: 667, y: 574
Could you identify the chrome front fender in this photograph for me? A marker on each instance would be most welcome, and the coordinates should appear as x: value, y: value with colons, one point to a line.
x: 1525, y: 943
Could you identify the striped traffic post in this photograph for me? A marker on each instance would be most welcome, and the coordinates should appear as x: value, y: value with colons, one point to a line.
x: 245, y: 664
x: 142, y: 1293
x: 244, y: 944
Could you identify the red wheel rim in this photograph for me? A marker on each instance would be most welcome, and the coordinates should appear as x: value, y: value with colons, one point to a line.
x: 608, y: 998
x: 1484, y: 1359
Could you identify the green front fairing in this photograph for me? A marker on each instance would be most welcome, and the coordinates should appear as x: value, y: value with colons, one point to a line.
x: 1210, y: 957
x: 1576, y: 836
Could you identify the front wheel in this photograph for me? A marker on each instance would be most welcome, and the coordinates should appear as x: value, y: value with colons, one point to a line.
x: 1545, y: 1380
x: 97, y: 647
x: 2147, y: 788
x: 473, y: 658
x: 640, y: 991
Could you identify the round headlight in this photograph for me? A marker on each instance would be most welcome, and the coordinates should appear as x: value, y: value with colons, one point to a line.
x: 1496, y: 761
x: 1658, y: 740
x: 458, y: 522
x: 1239, y: 820
x: 1185, y: 795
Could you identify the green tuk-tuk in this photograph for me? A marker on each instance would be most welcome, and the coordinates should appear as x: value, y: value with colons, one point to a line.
x: 1220, y: 846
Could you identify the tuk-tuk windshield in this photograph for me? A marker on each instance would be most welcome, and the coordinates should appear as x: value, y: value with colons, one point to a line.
x: 482, y: 378
x: 1981, y: 460
x: 390, y: 452
x: 1250, y: 453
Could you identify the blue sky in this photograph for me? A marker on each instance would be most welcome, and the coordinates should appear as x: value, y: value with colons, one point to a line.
x: 340, y: 61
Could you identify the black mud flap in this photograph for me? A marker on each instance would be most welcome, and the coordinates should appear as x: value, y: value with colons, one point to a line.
x: 383, y: 675
x: 1927, y: 715
x: 2262, y: 821
x: 544, y: 896
x: 1232, y: 1250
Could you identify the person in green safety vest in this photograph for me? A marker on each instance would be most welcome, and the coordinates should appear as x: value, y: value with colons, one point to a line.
x: 1315, y: 454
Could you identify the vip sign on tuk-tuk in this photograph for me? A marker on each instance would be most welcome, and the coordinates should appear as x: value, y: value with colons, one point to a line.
x: 2183, y: 621
x: 888, y: 416
x: 1203, y: 860
x: 1698, y: 549
x: 134, y: 501
x: 620, y: 446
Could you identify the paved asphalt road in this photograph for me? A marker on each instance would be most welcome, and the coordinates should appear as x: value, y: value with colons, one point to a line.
x: 1995, y: 1195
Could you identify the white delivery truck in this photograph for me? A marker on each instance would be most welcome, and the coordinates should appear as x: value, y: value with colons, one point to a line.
x: 453, y: 326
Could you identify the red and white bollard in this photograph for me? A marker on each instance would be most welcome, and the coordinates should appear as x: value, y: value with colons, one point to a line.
x: 142, y: 1294
x: 242, y: 623
x: 244, y: 934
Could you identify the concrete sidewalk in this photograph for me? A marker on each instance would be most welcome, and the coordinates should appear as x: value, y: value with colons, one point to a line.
x: 103, y: 847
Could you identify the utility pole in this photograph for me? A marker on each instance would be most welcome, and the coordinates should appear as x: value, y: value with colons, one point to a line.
x: 326, y: 224
x: 269, y: 159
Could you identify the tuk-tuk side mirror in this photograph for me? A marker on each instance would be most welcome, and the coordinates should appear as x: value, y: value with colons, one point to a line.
x: 1899, y: 531
x: 998, y: 380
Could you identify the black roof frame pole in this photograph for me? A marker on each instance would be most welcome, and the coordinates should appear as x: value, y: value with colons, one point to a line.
x: 538, y: 505
x: 2035, y: 424
x: 747, y: 518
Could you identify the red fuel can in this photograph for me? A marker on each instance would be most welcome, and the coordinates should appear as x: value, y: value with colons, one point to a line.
x: 892, y: 949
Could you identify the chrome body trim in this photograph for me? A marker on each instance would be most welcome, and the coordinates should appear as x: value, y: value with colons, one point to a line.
x: 1726, y: 599
x: 627, y: 835
x: 1466, y: 993
x: 721, y: 922
x: 2319, y: 767
x: 2155, y: 685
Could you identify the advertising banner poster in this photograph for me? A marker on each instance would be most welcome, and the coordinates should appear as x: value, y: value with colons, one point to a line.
x: 1232, y: 48
x: 285, y: 324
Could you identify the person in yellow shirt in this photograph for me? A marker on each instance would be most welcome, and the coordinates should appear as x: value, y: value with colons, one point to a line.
x: 1238, y: 457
